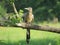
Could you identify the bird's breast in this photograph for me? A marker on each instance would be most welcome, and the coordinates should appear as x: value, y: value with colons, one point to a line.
x: 29, y: 18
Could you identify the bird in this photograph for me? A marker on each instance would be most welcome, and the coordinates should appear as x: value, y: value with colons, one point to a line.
x: 28, y: 17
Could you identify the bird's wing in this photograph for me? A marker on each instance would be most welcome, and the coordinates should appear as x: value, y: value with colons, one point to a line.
x: 24, y: 17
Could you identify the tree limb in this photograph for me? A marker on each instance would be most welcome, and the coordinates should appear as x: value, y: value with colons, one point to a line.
x: 15, y: 10
x: 36, y: 27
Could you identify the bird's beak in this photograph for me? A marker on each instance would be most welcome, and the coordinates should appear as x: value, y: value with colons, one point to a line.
x: 26, y: 8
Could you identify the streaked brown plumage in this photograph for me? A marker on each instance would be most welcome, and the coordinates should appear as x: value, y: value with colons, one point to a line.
x: 29, y: 16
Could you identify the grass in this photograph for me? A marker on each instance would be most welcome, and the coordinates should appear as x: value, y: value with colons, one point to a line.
x: 17, y: 36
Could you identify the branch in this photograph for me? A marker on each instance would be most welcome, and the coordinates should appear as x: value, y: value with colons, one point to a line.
x: 36, y: 27
x: 15, y: 10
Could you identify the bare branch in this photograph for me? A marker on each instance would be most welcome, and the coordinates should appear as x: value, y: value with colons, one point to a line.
x: 36, y: 27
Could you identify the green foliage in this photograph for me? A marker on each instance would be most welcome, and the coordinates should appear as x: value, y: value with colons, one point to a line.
x: 18, y: 19
x: 2, y: 9
x: 20, y: 15
x: 9, y: 1
x: 3, y: 13
x: 12, y: 19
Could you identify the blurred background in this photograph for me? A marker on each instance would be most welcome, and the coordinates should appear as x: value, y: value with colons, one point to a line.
x: 43, y: 10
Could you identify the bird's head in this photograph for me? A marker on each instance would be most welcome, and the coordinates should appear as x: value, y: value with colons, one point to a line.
x: 29, y: 8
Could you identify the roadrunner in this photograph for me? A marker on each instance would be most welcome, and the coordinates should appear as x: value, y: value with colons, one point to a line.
x: 28, y: 18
